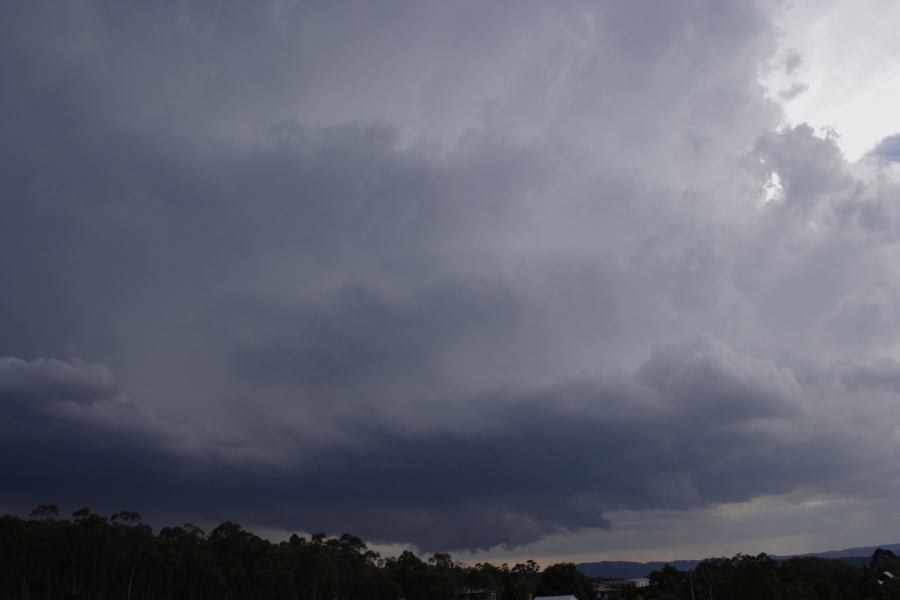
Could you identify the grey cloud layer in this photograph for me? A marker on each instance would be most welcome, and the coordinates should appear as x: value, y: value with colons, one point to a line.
x: 698, y: 424
x: 457, y: 275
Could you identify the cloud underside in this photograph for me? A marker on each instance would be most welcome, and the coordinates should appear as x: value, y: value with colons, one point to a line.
x: 696, y: 425
x: 461, y: 277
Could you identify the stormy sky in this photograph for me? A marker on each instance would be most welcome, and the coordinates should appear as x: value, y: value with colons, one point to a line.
x: 569, y: 279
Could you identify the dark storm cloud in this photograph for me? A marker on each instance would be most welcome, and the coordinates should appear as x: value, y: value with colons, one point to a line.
x: 459, y: 275
x: 882, y: 374
x: 699, y: 424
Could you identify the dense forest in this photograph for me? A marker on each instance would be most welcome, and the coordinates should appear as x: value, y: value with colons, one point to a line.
x: 761, y: 577
x: 91, y: 556
x: 94, y: 557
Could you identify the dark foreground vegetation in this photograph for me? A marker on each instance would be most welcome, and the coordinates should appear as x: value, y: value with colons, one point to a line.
x: 763, y: 578
x: 91, y: 556
x: 94, y: 557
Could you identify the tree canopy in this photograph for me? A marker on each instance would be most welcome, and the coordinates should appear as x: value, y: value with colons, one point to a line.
x: 120, y: 557
x: 94, y: 557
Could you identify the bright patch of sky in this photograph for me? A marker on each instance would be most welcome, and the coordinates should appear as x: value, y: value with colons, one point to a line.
x: 839, y: 70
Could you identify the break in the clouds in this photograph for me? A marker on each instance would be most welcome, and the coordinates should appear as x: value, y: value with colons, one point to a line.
x: 453, y: 274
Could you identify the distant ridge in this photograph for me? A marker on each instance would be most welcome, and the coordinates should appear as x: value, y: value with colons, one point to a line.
x: 627, y: 570
x: 859, y: 551
x: 622, y: 569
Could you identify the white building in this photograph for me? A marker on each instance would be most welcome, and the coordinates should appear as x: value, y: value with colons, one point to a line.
x: 555, y: 598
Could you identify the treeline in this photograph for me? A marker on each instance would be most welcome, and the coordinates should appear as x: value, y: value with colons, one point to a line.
x: 94, y: 557
x: 761, y: 577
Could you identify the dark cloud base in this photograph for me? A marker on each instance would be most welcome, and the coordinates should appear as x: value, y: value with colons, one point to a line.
x: 699, y: 425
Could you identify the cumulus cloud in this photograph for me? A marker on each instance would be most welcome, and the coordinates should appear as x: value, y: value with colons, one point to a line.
x: 75, y: 402
x: 55, y: 380
x: 888, y: 149
x: 455, y: 275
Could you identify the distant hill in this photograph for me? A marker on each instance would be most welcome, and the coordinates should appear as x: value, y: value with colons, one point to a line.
x: 622, y: 569
x: 859, y: 551
x: 627, y: 570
